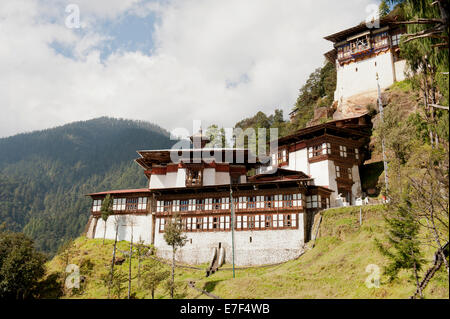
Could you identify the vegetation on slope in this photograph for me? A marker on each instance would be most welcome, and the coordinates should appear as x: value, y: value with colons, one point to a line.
x: 44, y: 175
x: 334, y: 268
x: 318, y: 91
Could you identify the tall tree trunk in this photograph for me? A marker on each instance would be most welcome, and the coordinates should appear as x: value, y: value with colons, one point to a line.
x: 416, y: 275
x: 104, y: 233
x: 113, y: 260
x: 438, y: 242
x: 129, y: 266
x: 173, y: 272
x: 139, y: 267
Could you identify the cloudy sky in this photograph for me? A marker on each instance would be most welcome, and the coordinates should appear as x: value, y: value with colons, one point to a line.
x: 167, y: 62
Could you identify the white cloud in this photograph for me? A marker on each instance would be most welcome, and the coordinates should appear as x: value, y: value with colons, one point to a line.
x: 218, y: 61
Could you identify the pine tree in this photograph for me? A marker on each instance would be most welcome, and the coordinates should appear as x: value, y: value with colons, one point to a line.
x: 404, y: 251
x: 106, y: 211
x: 155, y: 274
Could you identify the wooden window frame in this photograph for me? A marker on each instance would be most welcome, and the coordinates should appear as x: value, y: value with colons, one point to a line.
x: 190, y: 180
x: 97, y: 205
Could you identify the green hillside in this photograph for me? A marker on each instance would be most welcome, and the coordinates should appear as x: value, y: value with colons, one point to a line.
x: 45, y: 174
x: 334, y: 268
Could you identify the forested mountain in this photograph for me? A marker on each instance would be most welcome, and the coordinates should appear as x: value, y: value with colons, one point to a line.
x: 45, y: 175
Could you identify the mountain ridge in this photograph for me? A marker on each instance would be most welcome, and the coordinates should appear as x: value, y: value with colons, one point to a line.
x: 44, y: 175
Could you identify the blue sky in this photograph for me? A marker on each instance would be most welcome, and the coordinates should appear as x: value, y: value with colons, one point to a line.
x: 168, y: 62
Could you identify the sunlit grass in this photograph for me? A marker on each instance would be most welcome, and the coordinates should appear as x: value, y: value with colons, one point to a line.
x: 334, y: 268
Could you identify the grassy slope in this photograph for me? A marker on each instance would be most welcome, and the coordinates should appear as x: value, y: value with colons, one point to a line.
x: 334, y: 268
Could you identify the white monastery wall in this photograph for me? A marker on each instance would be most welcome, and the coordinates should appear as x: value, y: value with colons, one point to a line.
x: 266, y: 246
x: 139, y: 225
x: 178, y: 179
x: 360, y: 76
x: 157, y: 181
x: 320, y: 172
x: 332, y: 184
x: 209, y: 176
x: 181, y: 178
x: 400, y: 70
x: 298, y: 161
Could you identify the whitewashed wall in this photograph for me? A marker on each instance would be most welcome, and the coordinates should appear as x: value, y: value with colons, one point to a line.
x: 178, y: 179
x: 298, y: 161
x: 209, y: 176
x: 401, y: 70
x: 320, y: 171
x: 332, y: 184
x: 142, y: 227
x: 351, y: 82
x: 266, y: 246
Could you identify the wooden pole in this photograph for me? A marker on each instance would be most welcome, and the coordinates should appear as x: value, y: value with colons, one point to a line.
x: 380, y: 106
x: 360, y: 215
x: 232, y: 225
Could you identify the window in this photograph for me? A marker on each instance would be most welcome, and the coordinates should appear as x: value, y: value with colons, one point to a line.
x: 132, y: 203
x: 344, y: 172
x: 199, y: 223
x: 268, y: 201
x: 381, y: 40
x: 194, y: 177
x: 317, y: 150
x: 119, y: 203
x: 326, y: 148
x: 97, y: 205
x: 282, y: 156
x: 268, y: 221
x: 287, y: 200
x: 344, y: 52
x: 188, y: 224
x: 360, y: 44
x: 184, y: 205
x: 167, y: 205
x: 396, y: 39
x: 287, y: 220
x: 251, y: 201
x: 215, y: 224
x: 200, y: 204
x: 251, y: 222
x: 162, y: 224
x: 343, y: 151
x: 142, y: 204
x: 320, y: 149
x: 217, y: 203
x: 313, y: 201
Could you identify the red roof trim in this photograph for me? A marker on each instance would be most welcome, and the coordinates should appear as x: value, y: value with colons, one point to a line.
x: 121, y: 191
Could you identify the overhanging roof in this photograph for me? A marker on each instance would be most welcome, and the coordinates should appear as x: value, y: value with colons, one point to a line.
x: 393, y: 16
x: 341, y: 128
x: 236, y: 156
